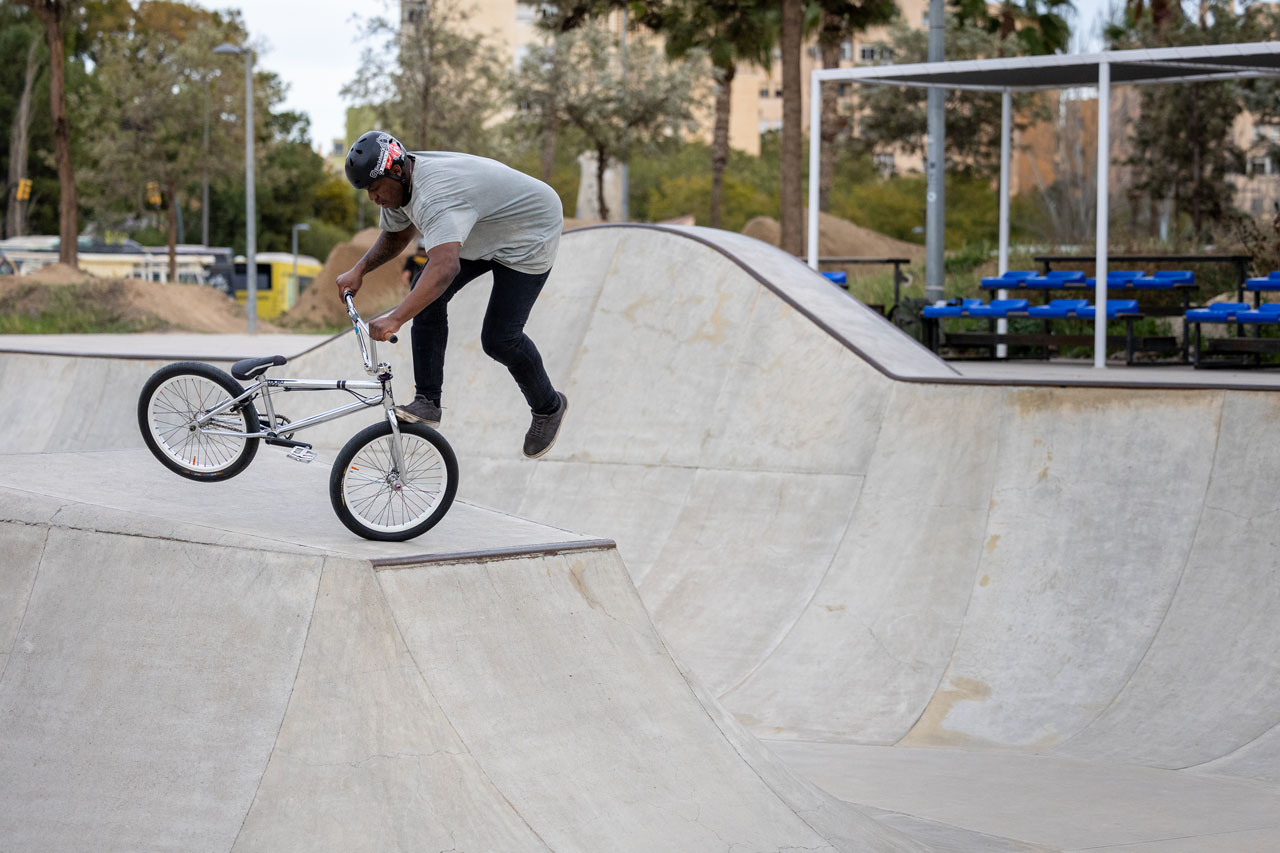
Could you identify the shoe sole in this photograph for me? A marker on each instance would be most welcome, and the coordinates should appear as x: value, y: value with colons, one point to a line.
x: 543, y: 452
x: 405, y: 417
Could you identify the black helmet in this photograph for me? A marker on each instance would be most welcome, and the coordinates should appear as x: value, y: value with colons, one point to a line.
x: 372, y: 156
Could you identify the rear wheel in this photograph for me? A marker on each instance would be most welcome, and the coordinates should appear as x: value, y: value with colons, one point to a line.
x: 376, y: 501
x: 173, y: 414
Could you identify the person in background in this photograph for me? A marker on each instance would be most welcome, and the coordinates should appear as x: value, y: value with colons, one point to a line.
x: 413, y: 265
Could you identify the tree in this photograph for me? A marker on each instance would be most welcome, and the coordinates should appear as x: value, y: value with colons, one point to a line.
x: 1027, y: 28
x: 792, y: 223
x: 537, y: 95
x: 20, y: 141
x: 840, y: 19
x: 1183, y: 149
x: 729, y: 32
x: 53, y: 14
x: 444, y: 89
x: 655, y: 106
x: 891, y: 117
x: 150, y: 92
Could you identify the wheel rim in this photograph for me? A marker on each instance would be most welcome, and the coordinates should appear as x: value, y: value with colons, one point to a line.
x: 170, y: 412
x: 369, y: 493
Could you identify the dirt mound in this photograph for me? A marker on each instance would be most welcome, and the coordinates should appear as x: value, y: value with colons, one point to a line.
x: 318, y: 307
x: 840, y: 238
x: 58, y: 274
x: 70, y: 300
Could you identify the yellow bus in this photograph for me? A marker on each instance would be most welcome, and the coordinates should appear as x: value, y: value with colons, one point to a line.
x: 278, y: 290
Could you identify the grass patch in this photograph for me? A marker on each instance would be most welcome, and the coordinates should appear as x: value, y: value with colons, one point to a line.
x: 43, y: 309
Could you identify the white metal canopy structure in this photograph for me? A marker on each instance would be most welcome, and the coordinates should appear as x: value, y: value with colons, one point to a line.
x: 1104, y: 70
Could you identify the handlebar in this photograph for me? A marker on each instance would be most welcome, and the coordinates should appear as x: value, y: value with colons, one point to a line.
x: 368, y: 347
x: 355, y: 315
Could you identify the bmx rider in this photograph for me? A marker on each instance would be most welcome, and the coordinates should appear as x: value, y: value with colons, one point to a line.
x: 475, y: 215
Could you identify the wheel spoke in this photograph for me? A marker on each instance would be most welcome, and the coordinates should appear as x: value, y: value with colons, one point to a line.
x: 174, y: 409
x: 372, y: 499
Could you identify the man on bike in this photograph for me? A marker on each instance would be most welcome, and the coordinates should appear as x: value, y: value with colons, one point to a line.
x: 475, y: 216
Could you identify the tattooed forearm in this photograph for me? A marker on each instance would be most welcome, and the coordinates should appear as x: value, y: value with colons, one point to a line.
x: 387, y: 246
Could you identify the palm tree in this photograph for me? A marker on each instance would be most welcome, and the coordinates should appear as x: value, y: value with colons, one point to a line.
x: 792, y: 237
x: 730, y: 32
x: 1036, y: 26
x: 840, y: 19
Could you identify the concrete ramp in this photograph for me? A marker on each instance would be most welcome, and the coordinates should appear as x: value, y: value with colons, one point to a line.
x: 179, y: 676
x: 1039, y: 611
x: 848, y: 542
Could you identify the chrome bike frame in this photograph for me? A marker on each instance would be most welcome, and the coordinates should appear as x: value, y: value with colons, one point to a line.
x: 381, y: 384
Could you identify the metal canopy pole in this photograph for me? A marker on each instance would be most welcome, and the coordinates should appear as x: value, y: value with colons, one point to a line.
x: 935, y: 163
x: 1100, y: 268
x: 815, y: 166
x: 1006, y: 142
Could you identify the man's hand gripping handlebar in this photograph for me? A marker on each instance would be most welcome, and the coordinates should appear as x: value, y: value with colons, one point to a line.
x: 360, y: 324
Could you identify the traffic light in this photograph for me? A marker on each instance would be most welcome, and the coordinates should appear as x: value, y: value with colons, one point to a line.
x: 24, y: 189
x: 153, y: 193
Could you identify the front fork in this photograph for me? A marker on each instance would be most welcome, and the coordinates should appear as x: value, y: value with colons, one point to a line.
x: 397, y: 449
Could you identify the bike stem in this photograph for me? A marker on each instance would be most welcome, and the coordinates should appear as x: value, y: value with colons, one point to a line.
x: 369, y: 351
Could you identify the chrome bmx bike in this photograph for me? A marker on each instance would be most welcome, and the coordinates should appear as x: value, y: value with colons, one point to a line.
x: 392, y: 481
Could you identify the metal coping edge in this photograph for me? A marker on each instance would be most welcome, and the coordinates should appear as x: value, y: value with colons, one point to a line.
x: 486, y: 555
x: 931, y: 380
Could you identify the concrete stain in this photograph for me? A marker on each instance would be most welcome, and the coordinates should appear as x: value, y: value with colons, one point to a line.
x: 929, y: 729
x: 576, y: 571
x: 716, y: 329
x: 1034, y: 402
x: 993, y: 542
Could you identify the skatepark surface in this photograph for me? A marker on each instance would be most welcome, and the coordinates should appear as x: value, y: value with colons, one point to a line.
x: 859, y: 599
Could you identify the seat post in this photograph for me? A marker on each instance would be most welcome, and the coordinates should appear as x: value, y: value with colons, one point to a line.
x: 266, y: 401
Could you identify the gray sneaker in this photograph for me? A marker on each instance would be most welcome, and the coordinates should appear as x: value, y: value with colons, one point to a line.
x: 544, y: 429
x: 420, y: 411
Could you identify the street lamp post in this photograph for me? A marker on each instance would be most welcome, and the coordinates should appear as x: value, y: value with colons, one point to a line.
x: 301, y: 226
x: 250, y: 229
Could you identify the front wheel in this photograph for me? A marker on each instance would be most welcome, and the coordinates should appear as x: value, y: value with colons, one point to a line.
x: 173, y: 414
x: 376, y: 501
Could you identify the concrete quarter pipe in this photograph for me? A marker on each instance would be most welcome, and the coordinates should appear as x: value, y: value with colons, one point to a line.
x: 983, y: 612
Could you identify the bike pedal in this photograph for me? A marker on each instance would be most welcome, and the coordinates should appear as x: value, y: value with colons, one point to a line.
x: 302, y: 454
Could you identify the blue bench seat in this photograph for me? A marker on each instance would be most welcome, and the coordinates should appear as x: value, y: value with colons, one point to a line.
x: 1024, y: 280
x: 953, y: 308
x: 1058, y: 309
x: 836, y: 277
x: 998, y: 308
x: 1136, y: 280
x: 1056, y: 280
x: 1010, y: 279
x: 1061, y: 309
x: 1117, y: 278
x: 1115, y: 308
x: 1269, y: 282
x: 1218, y: 312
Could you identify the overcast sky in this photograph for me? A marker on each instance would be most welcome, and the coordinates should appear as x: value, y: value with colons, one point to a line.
x: 313, y: 45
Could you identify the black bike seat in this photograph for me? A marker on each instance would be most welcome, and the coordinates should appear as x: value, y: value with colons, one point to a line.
x: 248, y: 368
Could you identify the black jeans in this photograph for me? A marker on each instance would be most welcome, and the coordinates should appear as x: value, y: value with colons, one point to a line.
x: 502, y: 334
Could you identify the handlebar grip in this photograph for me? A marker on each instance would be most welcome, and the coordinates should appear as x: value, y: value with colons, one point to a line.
x: 394, y: 339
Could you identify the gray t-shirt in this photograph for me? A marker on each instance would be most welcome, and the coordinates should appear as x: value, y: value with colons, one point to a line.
x: 495, y: 212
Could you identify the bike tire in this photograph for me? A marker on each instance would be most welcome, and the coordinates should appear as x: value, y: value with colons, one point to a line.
x: 363, y: 497
x: 174, y: 395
